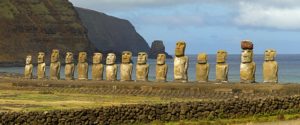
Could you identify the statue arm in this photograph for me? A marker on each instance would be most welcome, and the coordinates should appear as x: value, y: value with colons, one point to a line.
x: 207, y: 72
x: 58, y: 68
x: 186, y: 64
x: 115, y: 69
x: 147, y: 69
x: 131, y: 68
x: 166, y: 70
x: 253, y: 70
x: 276, y: 71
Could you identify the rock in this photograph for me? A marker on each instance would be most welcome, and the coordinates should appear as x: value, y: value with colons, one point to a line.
x: 31, y: 26
x: 109, y: 33
x: 246, y: 44
x: 158, y: 47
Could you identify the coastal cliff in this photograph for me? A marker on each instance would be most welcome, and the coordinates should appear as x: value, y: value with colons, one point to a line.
x: 109, y: 33
x: 29, y: 26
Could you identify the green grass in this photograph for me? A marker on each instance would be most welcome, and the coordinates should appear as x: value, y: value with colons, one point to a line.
x: 17, y: 100
x: 7, y: 9
x: 39, y: 9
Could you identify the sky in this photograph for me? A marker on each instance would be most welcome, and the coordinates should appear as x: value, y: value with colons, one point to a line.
x: 210, y: 25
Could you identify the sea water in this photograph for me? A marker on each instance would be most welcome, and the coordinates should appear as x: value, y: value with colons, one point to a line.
x: 289, y: 68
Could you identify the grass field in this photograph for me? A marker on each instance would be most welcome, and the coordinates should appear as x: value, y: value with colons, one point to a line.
x: 19, y: 100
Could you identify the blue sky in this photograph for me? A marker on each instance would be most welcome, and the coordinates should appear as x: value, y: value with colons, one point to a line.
x: 210, y: 25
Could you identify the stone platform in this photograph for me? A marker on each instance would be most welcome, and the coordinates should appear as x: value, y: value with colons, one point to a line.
x: 168, y: 89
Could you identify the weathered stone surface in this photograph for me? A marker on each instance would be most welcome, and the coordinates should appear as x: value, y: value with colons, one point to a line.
x: 70, y: 66
x: 31, y: 26
x: 28, y: 68
x: 41, y: 68
x: 82, y: 66
x: 202, y: 68
x: 112, y: 34
x: 158, y: 47
x: 161, y: 68
x: 247, y: 67
x: 54, y: 65
x: 126, y: 66
x: 181, y: 63
x: 142, y: 68
x: 222, y: 68
x: 247, y: 44
x: 270, y: 67
x: 111, y: 67
x: 97, y: 67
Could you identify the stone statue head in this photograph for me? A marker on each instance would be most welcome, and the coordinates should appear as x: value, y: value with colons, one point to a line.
x: 247, y: 56
x: 270, y: 55
x: 69, y: 58
x: 161, y: 59
x: 110, y: 59
x: 180, y: 48
x: 55, y: 55
x: 142, y: 58
x: 221, y: 56
x: 28, y: 59
x: 41, y: 57
x: 97, y: 58
x: 82, y: 57
x: 126, y: 56
x: 202, y: 58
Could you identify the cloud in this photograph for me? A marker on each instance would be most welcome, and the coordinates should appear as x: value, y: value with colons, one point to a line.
x: 277, y: 14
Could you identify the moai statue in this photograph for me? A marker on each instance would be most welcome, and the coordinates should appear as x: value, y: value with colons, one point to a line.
x: 202, y: 68
x: 111, y: 67
x: 82, y: 66
x: 142, y: 68
x: 248, y: 66
x: 181, y: 63
x: 222, y: 67
x: 126, y: 66
x: 55, y: 65
x: 97, y: 68
x: 28, y: 68
x: 270, y: 67
x: 41, y: 68
x: 70, y: 66
x: 161, y: 68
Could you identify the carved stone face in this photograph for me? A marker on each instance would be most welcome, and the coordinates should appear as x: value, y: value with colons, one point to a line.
x: 247, y: 56
x: 69, y: 57
x: 142, y: 58
x: 221, y: 56
x: 82, y: 57
x: 161, y: 59
x: 180, y: 48
x: 126, y: 57
x: 270, y: 55
x: 110, y: 59
x: 28, y: 59
x: 55, y: 55
x: 97, y: 58
x: 41, y: 57
x: 202, y: 58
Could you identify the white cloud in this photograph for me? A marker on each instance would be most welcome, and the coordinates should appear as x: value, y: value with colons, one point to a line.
x: 276, y: 14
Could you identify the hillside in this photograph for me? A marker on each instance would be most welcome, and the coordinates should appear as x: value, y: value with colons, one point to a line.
x: 29, y: 26
x: 109, y: 33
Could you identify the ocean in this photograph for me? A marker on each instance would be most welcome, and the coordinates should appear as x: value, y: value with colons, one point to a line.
x: 289, y: 68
